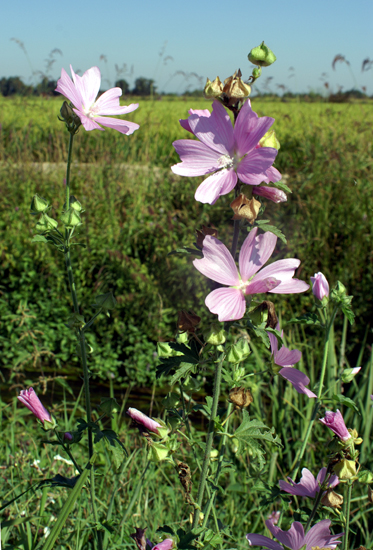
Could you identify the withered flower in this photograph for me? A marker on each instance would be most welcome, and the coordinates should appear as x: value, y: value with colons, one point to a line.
x: 187, y: 321
x: 240, y: 397
x: 245, y: 209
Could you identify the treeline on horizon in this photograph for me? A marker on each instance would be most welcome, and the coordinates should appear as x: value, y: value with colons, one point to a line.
x: 13, y: 85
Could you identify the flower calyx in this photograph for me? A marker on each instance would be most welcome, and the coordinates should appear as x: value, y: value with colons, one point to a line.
x: 70, y: 118
x: 38, y: 205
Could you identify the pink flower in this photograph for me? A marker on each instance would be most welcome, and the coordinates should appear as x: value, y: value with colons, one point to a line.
x: 218, y: 265
x: 141, y: 418
x: 166, y: 544
x: 286, y: 358
x: 82, y: 92
x: 334, y: 421
x: 320, y: 286
x: 318, y: 536
x: 33, y: 403
x: 308, y: 486
x: 230, y: 152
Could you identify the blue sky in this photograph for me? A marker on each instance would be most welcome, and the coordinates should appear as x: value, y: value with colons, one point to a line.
x: 203, y: 37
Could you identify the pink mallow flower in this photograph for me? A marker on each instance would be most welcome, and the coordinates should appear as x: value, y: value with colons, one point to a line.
x: 294, y: 539
x: 33, y: 403
x: 334, y: 421
x: 308, y: 486
x: 166, y: 544
x: 285, y: 358
x: 141, y: 418
x: 320, y: 286
x: 226, y: 152
x: 218, y: 264
x: 82, y: 92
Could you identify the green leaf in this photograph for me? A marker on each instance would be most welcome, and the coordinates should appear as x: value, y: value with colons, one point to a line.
x: 342, y: 400
x: 260, y: 333
x: 184, y: 370
x: 186, y: 251
x: 263, y: 224
x: 346, y: 309
x: 239, y: 352
x: 39, y: 239
x: 281, y: 185
x: 185, y: 355
x: 306, y: 319
x: 250, y: 433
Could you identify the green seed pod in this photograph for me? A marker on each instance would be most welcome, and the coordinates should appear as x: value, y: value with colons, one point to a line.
x: 38, y: 205
x: 262, y: 56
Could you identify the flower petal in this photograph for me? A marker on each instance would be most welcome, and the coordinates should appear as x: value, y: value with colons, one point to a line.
x: 228, y: 303
x: 217, y: 262
x: 293, y: 538
x: 65, y: 86
x: 284, y: 271
x: 213, y: 187
x: 197, y: 159
x: 261, y: 540
x: 262, y: 286
x: 108, y: 104
x: 200, y: 112
x: 286, y: 358
x: 255, y: 252
x: 88, y: 85
x: 256, y: 162
x: 298, y: 379
x: 307, y: 486
x: 123, y: 126
x: 319, y: 535
x: 88, y: 123
x: 215, y: 131
x: 249, y: 129
x: 272, y: 175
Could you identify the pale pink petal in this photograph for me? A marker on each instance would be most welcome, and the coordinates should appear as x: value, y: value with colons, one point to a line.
x: 307, y: 486
x: 88, y: 85
x: 298, y: 379
x: 251, y: 179
x: 271, y: 193
x: 248, y: 139
x: 286, y: 358
x: 66, y: 87
x: 217, y: 262
x: 256, y: 162
x: 293, y: 286
x: 319, y: 535
x: 220, y: 183
x: 166, y: 544
x: 197, y: 159
x: 108, y: 104
x: 216, y: 131
x: 282, y: 270
x: 144, y: 420
x: 261, y: 540
x: 272, y: 175
x: 293, y: 538
x: 262, y: 286
x: 200, y: 112
x: 228, y: 303
x: 255, y: 252
x: 123, y: 126
x: 88, y: 123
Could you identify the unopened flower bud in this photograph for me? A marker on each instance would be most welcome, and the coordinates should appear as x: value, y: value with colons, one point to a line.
x: 262, y: 56
x: 257, y: 72
x: 334, y: 421
x: 68, y: 116
x: 332, y: 499
x: 70, y: 218
x: 38, y: 205
x: 320, y: 286
x: 349, y: 374
x: 74, y: 203
x: 345, y: 469
x: 213, y: 89
x: 215, y: 335
x: 68, y: 436
x: 271, y: 193
x: 105, y: 301
x: 46, y: 223
x: 240, y: 397
x: 245, y: 209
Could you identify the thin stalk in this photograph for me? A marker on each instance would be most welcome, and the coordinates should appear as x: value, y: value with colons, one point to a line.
x: 68, y: 452
x: 347, y: 515
x: 317, y: 404
x: 209, y: 440
x: 95, y: 515
x: 314, y: 510
x: 210, y: 502
x: 135, y: 493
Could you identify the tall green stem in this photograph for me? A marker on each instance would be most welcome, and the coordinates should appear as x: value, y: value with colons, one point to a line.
x: 347, y: 515
x: 314, y: 510
x: 321, y: 386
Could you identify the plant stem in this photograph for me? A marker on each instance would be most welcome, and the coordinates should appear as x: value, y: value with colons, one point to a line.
x: 135, y: 493
x: 209, y: 439
x: 318, y: 399
x: 314, y: 510
x: 347, y: 515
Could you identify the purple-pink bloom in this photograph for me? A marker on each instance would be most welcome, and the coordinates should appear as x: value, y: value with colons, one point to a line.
x: 141, y: 418
x: 320, y: 286
x: 33, y: 403
x: 82, y: 92
x: 218, y: 264
x: 285, y: 358
x: 334, y: 421
x: 318, y: 536
x: 166, y: 544
x: 226, y: 151
x: 308, y: 486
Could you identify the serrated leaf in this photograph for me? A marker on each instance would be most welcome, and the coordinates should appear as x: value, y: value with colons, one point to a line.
x: 248, y: 435
x: 186, y: 355
x: 182, y: 372
x: 307, y: 319
x: 260, y: 333
x: 342, y: 400
x: 263, y: 224
x: 346, y: 309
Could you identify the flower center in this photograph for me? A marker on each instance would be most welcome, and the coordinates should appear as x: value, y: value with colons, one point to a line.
x: 91, y: 111
x: 226, y: 161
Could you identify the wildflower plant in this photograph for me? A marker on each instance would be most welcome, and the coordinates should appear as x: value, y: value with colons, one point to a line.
x: 237, y: 150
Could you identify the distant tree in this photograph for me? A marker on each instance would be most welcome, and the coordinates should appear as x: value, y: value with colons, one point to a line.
x: 13, y: 85
x: 144, y: 86
x: 46, y: 87
x: 194, y: 93
x: 123, y: 85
